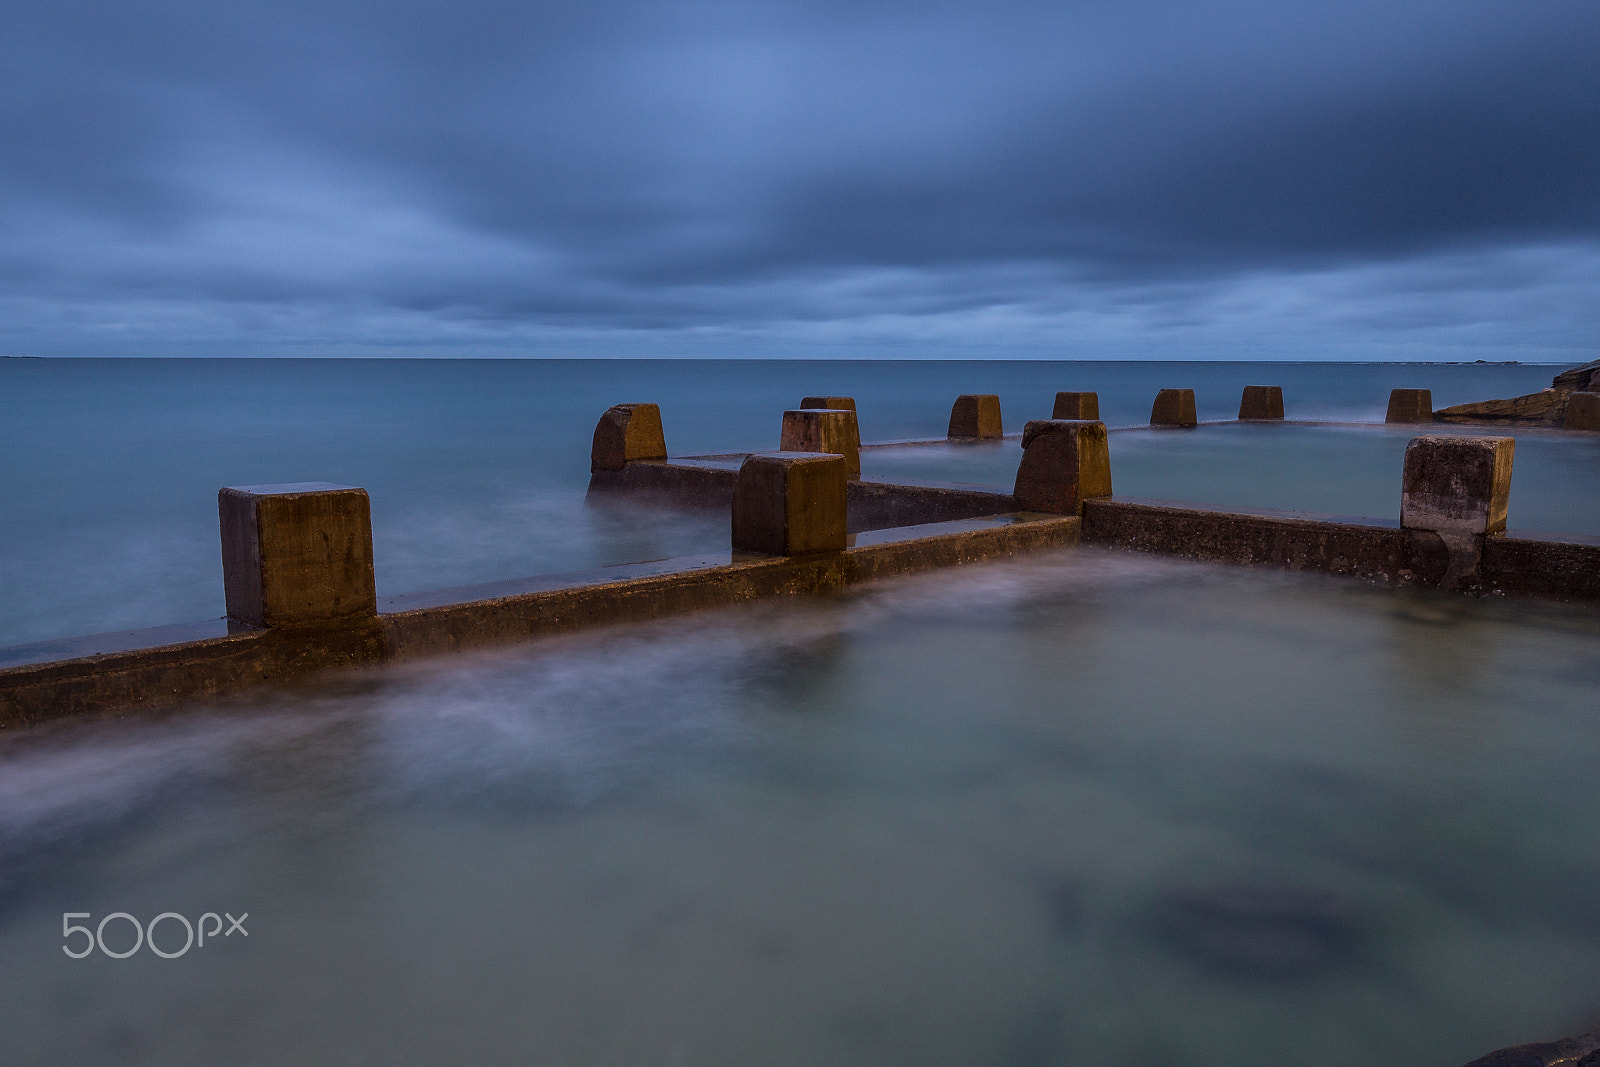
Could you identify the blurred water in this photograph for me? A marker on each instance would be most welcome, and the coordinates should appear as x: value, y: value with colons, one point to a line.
x: 476, y: 468
x: 1082, y: 808
x: 1336, y: 470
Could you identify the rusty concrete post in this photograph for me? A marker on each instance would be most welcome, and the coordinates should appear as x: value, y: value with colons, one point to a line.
x: 1173, y: 407
x: 975, y: 415
x: 627, y: 432
x: 1261, y: 402
x: 1583, y: 412
x: 824, y: 430
x: 1064, y: 463
x: 1410, y: 405
x: 790, y: 503
x: 836, y: 403
x: 297, y: 554
x: 1077, y: 406
x: 1460, y: 489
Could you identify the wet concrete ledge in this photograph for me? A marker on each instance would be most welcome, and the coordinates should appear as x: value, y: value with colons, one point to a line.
x: 1567, y: 568
x: 123, y: 671
x: 872, y: 503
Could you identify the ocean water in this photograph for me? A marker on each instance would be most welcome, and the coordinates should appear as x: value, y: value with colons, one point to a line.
x: 477, y: 468
x: 1080, y: 807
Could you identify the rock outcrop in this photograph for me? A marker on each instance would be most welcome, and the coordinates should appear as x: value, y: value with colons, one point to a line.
x: 1548, y: 407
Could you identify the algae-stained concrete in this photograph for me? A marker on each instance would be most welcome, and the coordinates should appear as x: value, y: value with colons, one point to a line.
x: 296, y: 554
x: 976, y: 416
x: 1457, y: 484
x: 1064, y: 463
x: 790, y: 503
x: 1261, y: 402
x: 837, y: 403
x: 625, y: 433
x: 1077, y: 406
x: 1409, y: 405
x: 824, y: 430
x: 1173, y: 407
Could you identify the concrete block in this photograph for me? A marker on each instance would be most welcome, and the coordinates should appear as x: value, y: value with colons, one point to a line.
x: 790, y: 503
x: 1583, y: 412
x: 297, y: 554
x: 1410, y: 405
x: 1077, y: 406
x: 1261, y: 402
x: 1064, y: 463
x: 835, y: 403
x: 976, y: 415
x: 1456, y: 485
x: 1173, y: 407
x: 627, y: 432
x: 824, y: 430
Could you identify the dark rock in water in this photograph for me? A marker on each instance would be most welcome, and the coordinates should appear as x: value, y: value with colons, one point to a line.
x: 1258, y: 932
x: 1580, y: 1051
x: 1578, y: 377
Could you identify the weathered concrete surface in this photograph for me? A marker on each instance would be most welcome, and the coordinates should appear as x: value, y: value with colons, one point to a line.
x: 824, y: 430
x: 871, y: 503
x: 1077, y: 406
x: 790, y: 503
x: 1583, y: 412
x: 150, y: 677
x: 430, y: 623
x: 1064, y: 463
x: 296, y: 554
x: 1580, y: 1051
x: 1173, y: 407
x: 1410, y: 405
x: 976, y: 415
x: 1455, y: 484
x: 627, y: 432
x: 838, y: 403
x: 1261, y: 402
x: 712, y: 581
x: 1284, y: 539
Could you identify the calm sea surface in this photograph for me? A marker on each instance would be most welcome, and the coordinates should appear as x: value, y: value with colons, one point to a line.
x: 1081, y: 807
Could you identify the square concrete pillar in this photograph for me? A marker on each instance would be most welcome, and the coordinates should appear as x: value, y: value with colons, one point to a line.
x: 1173, y: 407
x: 835, y: 403
x: 1261, y: 402
x: 1410, y: 405
x: 1583, y: 412
x: 1064, y: 463
x: 1078, y: 406
x: 1456, y: 485
x: 627, y: 432
x: 976, y: 415
x: 790, y: 503
x: 824, y: 430
x: 297, y: 554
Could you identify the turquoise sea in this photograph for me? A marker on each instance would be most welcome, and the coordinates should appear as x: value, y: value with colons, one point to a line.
x: 1081, y: 807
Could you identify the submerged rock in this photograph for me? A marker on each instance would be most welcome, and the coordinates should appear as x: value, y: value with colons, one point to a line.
x: 1258, y: 932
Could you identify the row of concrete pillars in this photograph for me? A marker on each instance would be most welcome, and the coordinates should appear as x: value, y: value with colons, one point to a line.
x: 300, y: 555
x: 793, y: 500
x: 977, y: 415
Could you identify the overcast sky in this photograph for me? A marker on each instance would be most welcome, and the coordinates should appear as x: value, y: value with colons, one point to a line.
x: 1162, y: 179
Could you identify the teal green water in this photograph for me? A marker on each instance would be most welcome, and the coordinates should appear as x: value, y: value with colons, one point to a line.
x: 1083, y: 808
x: 1078, y: 808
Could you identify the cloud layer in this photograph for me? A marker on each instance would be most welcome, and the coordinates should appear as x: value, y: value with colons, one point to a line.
x: 710, y: 177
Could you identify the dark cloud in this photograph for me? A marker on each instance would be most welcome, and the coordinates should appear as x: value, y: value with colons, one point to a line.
x: 447, y: 174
